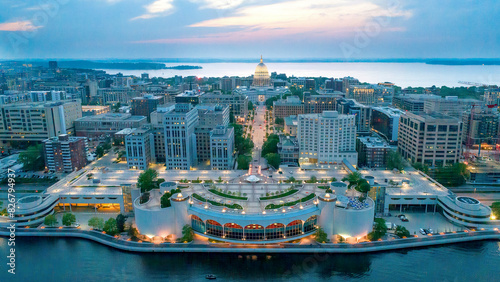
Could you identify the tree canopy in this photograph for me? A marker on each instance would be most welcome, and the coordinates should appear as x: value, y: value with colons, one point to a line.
x: 146, y: 180
x: 68, y: 219
x: 271, y: 145
x: 110, y: 227
x: 32, y: 158
x: 394, y: 161
x: 96, y: 223
x: 379, y: 230
x: 50, y: 220
x: 243, y: 162
x: 273, y: 160
x: 120, y: 222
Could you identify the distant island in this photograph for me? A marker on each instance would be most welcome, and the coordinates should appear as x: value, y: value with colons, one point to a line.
x: 184, y: 67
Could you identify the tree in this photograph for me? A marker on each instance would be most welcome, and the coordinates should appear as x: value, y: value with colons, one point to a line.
x: 68, y: 219
x: 120, y: 222
x: 401, y: 232
x: 96, y: 223
x: 50, y: 220
x: 363, y: 186
x: 243, y: 162
x: 279, y: 121
x: 379, y: 230
x: 313, y: 179
x: 132, y: 232
x: 146, y: 180
x: 110, y: 227
x: 187, y: 233
x: 394, y: 161
x: 99, y: 151
x: 32, y: 158
x: 454, y: 175
x: 291, y: 179
x: 320, y: 235
x: 250, y: 105
x: 273, y: 160
x: 353, y: 178
x: 232, y: 119
x: 495, y: 209
x: 165, y: 200
x: 271, y: 145
x: 423, y: 168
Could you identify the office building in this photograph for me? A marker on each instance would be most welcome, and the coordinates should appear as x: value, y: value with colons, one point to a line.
x: 113, y: 96
x: 361, y: 112
x: 450, y: 105
x: 189, y: 96
x: 64, y: 153
x: 105, y: 125
x: 289, y: 150
x: 412, y: 102
x: 47, y: 96
x: 94, y: 110
x: 180, y: 140
x: 385, y: 121
x: 290, y: 127
x: 481, y: 126
x: 139, y: 148
x: 222, y: 148
x: 238, y: 103
x: 326, y: 138
x: 210, y: 116
x: 364, y: 94
x: 372, y: 151
x: 432, y: 139
x: 38, y: 121
x: 144, y: 106
x: 316, y: 104
x: 290, y: 106
x: 333, y: 85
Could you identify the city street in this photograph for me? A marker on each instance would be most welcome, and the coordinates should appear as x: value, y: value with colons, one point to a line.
x: 258, y: 134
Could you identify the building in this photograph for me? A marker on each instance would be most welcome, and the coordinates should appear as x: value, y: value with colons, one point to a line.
x: 210, y: 116
x: 139, y: 148
x: 385, y: 121
x: 288, y: 107
x: 94, y: 110
x: 290, y: 127
x: 333, y: 85
x: 158, y: 124
x: 38, y: 121
x: 431, y: 139
x: 372, y: 151
x: 327, y: 138
x: 113, y: 96
x: 222, y: 148
x: 180, y: 139
x: 144, y: 106
x: 361, y: 112
x: 316, y: 104
x: 238, y: 103
x: 64, y: 153
x: 450, y: 105
x: 492, y: 96
x: 289, y: 150
x: 481, y: 126
x: 189, y: 96
x: 412, y: 102
x: 47, y: 96
x: 106, y: 125
x: 261, y: 77
x: 364, y: 94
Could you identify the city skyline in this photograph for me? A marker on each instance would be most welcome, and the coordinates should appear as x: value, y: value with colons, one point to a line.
x: 236, y: 29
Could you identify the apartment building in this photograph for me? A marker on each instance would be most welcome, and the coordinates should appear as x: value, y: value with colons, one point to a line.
x: 139, y: 148
x: 290, y: 106
x: 238, y: 103
x: 210, y: 116
x: 372, y: 151
x: 64, y: 153
x: 222, y: 148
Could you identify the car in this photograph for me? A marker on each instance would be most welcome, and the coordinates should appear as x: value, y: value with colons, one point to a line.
x: 430, y: 231
x: 405, y: 219
x: 280, y: 172
x: 422, y: 231
x: 270, y: 176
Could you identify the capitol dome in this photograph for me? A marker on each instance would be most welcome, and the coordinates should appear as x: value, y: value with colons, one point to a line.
x: 261, y: 77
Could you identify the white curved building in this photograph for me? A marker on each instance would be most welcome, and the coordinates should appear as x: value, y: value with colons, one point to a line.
x: 466, y: 211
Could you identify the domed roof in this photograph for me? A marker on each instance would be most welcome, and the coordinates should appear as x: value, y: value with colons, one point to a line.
x: 261, y: 68
x: 261, y: 77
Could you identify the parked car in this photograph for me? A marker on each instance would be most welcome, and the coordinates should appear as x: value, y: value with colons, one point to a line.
x: 422, y: 231
x: 404, y: 218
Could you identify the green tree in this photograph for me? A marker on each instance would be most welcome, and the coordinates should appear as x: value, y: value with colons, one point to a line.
x: 99, y: 151
x: 96, y: 223
x: 243, y: 162
x: 132, y: 232
x: 320, y: 235
x: 291, y: 179
x: 165, y: 200
x: 120, y: 222
x: 68, y: 219
x: 495, y: 209
x: 187, y: 233
x: 279, y: 121
x: 313, y: 179
x: 271, y: 145
x: 32, y: 158
x: 273, y: 160
x: 50, y: 220
x: 394, y: 161
x: 363, y: 186
x: 379, y: 230
x: 423, y: 168
x: 353, y: 178
x: 453, y: 175
x: 146, y: 180
x: 250, y: 105
x: 110, y: 227
x: 401, y: 232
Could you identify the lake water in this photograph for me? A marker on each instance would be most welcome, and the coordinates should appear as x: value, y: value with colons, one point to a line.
x: 402, y: 74
x: 71, y: 259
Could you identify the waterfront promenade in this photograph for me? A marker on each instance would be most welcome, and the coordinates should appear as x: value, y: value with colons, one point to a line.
x: 363, y: 247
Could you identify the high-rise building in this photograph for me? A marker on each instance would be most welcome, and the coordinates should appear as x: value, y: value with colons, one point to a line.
x: 290, y: 106
x: 113, y: 96
x: 385, y: 121
x: 412, y: 102
x: 139, y: 148
x: 53, y: 65
x: 327, y: 138
x: 432, y: 139
x: 38, y: 121
x: 189, y: 96
x: 364, y: 94
x: 450, y: 105
x: 222, y: 148
x: 47, y: 96
x: 180, y: 140
x: 238, y: 103
x: 290, y: 127
x: 316, y: 104
x: 372, y: 151
x: 210, y: 116
x: 492, y: 96
x: 361, y: 112
x: 64, y: 153
x: 144, y: 106
x: 106, y: 124
x: 333, y: 85
x: 289, y: 150
x: 481, y: 126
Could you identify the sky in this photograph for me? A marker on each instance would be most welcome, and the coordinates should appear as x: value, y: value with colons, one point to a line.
x: 340, y: 29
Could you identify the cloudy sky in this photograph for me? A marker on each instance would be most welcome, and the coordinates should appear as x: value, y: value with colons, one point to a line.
x: 245, y: 29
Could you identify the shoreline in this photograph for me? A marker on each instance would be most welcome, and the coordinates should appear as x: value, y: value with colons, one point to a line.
x: 364, y: 247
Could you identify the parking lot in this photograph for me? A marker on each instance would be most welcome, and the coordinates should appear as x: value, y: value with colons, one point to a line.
x: 417, y: 220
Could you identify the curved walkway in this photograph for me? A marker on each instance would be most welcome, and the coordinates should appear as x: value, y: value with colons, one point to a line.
x: 250, y: 248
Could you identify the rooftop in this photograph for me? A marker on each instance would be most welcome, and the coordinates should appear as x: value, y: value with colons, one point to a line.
x: 111, y: 117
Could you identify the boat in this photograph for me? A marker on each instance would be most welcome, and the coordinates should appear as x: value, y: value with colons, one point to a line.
x: 210, y: 277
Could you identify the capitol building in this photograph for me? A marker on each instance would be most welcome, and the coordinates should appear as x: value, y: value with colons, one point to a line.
x: 261, y: 77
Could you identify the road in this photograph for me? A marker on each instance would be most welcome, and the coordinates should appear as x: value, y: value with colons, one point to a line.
x: 258, y: 135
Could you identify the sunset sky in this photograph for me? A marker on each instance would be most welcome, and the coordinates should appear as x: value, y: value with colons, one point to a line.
x: 349, y: 29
